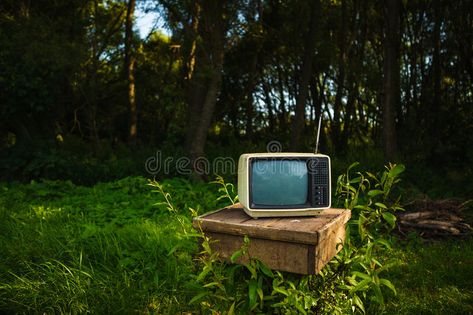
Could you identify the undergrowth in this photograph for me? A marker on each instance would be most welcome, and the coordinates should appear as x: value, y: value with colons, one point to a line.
x: 121, y: 247
x: 353, y: 282
x: 103, y: 249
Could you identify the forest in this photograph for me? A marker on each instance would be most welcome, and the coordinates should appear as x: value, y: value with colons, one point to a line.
x: 391, y: 81
x: 96, y: 117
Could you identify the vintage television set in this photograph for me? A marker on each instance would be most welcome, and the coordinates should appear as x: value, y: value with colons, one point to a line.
x: 284, y: 184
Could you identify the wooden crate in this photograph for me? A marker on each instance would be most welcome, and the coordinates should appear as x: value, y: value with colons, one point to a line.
x: 300, y: 245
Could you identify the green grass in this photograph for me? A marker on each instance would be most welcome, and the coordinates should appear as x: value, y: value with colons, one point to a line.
x: 104, y: 249
x: 110, y: 249
x: 434, y: 278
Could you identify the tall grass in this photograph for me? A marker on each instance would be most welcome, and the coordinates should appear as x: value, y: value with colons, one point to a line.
x: 114, y: 248
x: 104, y: 249
x: 434, y: 277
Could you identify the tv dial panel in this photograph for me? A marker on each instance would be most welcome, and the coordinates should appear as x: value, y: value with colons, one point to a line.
x: 319, y: 170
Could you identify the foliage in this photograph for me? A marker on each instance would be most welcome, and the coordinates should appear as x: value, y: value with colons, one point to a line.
x: 355, y: 281
x: 368, y: 239
x: 226, y: 190
x: 62, y: 77
x: 121, y: 247
x: 433, y: 278
x: 100, y: 249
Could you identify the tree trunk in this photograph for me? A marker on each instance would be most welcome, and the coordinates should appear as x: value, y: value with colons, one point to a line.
x: 207, y: 79
x: 435, y: 112
x: 249, y: 116
x: 130, y: 72
x: 92, y: 82
x: 282, y: 99
x: 317, y: 100
x: 355, y: 55
x: 255, y: 35
x: 306, y: 71
x: 269, y: 104
x: 337, y: 109
x: 249, y: 89
x: 194, y: 29
x: 207, y: 109
x: 391, y: 77
x: 195, y: 84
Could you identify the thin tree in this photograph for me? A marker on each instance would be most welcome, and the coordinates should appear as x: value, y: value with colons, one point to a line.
x: 305, y: 74
x: 130, y: 72
x: 206, y: 82
x: 391, y: 78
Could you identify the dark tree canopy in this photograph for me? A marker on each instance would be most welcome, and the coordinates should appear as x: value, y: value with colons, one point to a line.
x: 229, y: 76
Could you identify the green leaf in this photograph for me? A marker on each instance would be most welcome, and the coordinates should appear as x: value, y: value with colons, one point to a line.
x: 211, y: 284
x: 266, y: 271
x: 359, y: 303
x: 198, y: 297
x: 204, y: 273
x: 252, y: 270
x: 361, y: 275
x: 387, y: 266
x: 291, y: 285
x: 361, y: 228
x: 173, y: 249
x: 231, y: 311
x: 380, y: 205
x: 383, y: 242
x: 363, y: 207
x: 236, y: 255
x: 355, y: 180
x: 353, y: 165
x: 375, y: 192
x: 252, y: 287
x: 390, y: 218
x: 260, y: 293
x: 206, y: 246
x: 396, y: 170
x: 378, y: 294
x: 300, y: 309
x: 388, y: 284
x: 363, y: 285
x: 280, y: 290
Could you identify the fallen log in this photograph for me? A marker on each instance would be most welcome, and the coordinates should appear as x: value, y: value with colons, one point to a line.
x: 433, y: 225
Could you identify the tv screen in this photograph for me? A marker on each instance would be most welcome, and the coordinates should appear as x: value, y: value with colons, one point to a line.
x: 279, y: 183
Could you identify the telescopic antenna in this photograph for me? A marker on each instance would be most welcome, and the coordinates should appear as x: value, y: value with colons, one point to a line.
x: 318, y: 134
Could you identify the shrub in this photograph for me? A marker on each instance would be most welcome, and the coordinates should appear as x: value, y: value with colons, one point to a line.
x: 352, y: 282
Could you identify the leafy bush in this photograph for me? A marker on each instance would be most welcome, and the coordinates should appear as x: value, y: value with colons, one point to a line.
x: 352, y: 282
x: 71, y: 159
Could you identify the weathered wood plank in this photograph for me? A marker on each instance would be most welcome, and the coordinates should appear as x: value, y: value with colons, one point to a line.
x: 296, y: 244
x: 284, y: 256
x: 229, y: 214
x: 331, y: 238
x: 334, y: 218
x: 278, y: 233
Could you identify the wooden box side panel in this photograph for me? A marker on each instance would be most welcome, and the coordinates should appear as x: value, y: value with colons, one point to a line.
x: 330, y: 245
x: 277, y: 255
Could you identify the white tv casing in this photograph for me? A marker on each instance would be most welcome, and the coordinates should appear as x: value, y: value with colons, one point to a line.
x: 244, y: 186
